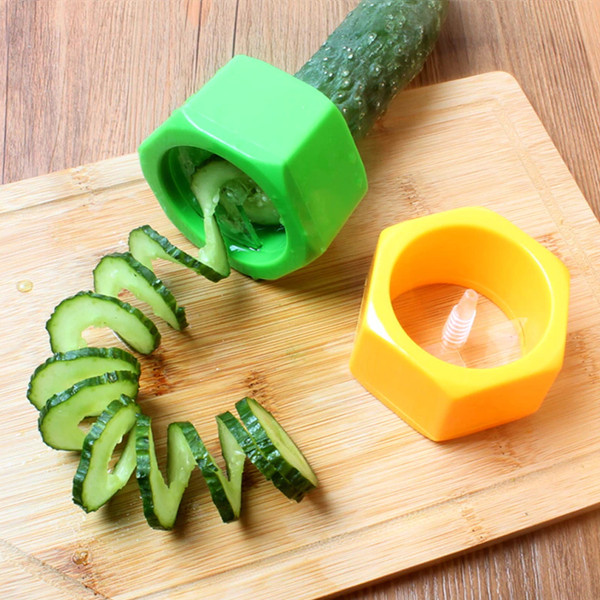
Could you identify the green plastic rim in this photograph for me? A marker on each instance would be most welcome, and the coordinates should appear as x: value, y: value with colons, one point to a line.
x: 284, y: 134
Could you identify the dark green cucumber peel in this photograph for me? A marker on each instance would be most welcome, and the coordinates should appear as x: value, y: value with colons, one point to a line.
x: 94, y: 484
x: 88, y: 309
x: 146, y: 245
x: 59, y: 418
x: 293, y: 489
x: 161, y: 500
x: 120, y: 270
x: 185, y: 449
x: 276, y: 445
x: 225, y: 489
x: 80, y: 382
x: 64, y: 369
x: 376, y: 51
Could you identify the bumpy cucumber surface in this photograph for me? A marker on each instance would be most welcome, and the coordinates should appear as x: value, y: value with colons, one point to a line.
x: 376, y: 51
x: 378, y: 48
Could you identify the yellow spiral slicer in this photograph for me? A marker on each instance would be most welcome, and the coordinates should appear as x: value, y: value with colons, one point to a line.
x: 480, y: 250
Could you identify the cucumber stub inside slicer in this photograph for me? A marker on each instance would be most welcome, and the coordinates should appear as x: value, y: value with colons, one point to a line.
x: 290, y: 141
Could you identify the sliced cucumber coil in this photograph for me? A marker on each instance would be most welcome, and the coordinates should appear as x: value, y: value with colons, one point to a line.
x: 81, y: 385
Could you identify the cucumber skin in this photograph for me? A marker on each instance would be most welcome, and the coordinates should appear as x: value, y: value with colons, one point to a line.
x: 376, y: 51
x: 57, y: 320
x: 63, y: 359
x: 88, y: 448
x: 270, y: 450
x: 171, y: 253
x: 143, y: 468
x: 67, y: 395
x: 147, y: 275
x: 294, y: 490
x: 209, y: 471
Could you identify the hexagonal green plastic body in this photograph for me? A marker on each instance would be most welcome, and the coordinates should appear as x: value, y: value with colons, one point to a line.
x: 284, y: 134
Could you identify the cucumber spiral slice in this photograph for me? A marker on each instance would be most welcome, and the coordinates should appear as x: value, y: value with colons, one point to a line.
x: 119, y: 271
x: 79, y: 382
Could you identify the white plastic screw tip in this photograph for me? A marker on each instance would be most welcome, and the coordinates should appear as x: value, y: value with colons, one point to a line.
x: 458, y: 326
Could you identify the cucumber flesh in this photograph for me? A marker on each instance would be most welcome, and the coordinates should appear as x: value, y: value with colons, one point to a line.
x: 147, y: 245
x: 206, y: 185
x: 225, y: 488
x: 62, y: 370
x: 119, y: 271
x: 274, y: 442
x: 231, y: 217
x: 88, y: 309
x: 94, y: 484
x: 294, y: 490
x: 160, y: 500
x: 59, y: 419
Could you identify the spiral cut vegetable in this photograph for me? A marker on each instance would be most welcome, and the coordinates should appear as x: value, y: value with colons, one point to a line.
x: 79, y: 383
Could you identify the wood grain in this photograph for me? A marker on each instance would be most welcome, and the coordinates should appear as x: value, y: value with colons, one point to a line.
x: 412, y: 514
x: 83, y: 81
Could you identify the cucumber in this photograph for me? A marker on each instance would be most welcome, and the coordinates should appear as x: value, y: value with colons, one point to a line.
x: 94, y: 484
x: 160, y: 501
x: 376, y: 51
x: 88, y: 309
x: 60, y: 417
x: 275, y: 444
x: 293, y: 490
x: 206, y: 186
x: 232, y: 216
x: 147, y: 245
x: 119, y: 271
x: 225, y: 489
x: 185, y: 449
x: 64, y: 369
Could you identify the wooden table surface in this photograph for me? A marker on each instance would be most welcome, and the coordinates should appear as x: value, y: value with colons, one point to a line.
x: 84, y: 80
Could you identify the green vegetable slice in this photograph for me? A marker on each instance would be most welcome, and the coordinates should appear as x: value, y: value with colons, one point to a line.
x: 206, y: 185
x: 294, y: 490
x: 147, y: 245
x: 119, y: 271
x: 160, y: 500
x: 94, y: 483
x: 275, y: 444
x: 225, y: 489
x: 89, y: 309
x: 62, y: 414
x: 64, y: 369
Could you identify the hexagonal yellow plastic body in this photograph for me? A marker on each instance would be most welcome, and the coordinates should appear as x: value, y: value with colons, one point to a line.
x: 475, y: 248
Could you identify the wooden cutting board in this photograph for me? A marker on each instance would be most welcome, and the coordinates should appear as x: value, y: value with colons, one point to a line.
x: 389, y: 500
